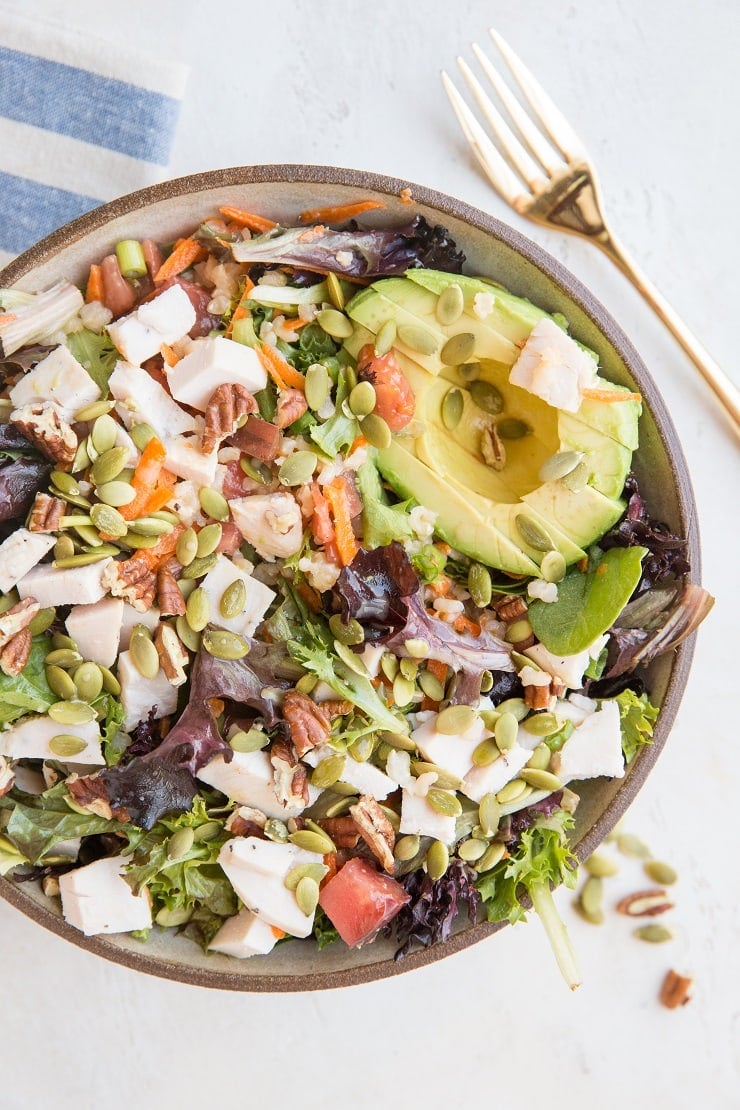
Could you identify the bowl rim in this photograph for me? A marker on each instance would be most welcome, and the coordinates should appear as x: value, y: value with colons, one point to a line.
x: 446, y: 205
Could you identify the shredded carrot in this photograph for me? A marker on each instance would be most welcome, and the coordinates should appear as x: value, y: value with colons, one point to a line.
x: 357, y: 443
x: 294, y: 323
x: 438, y: 669
x: 428, y: 703
x: 276, y: 932
x: 168, y: 354
x: 145, y: 481
x: 443, y: 547
x: 185, y: 253
x: 216, y: 706
x: 463, y: 624
x: 281, y: 372
x: 310, y: 596
x: 405, y: 196
x: 610, y: 395
x: 336, y: 495
x: 94, y: 291
x: 247, y: 219
x: 330, y: 861
x: 441, y: 586
x: 162, y: 550
x: 338, y: 213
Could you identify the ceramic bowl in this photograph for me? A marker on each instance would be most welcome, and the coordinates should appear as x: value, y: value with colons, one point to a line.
x: 493, y: 249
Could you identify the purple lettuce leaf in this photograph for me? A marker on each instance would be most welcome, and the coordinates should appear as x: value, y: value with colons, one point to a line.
x: 373, y: 590
x: 460, y: 651
x: 630, y: 647
x: 667, y: 552
x: 511, y: 828
x: 20, y: 481
x: 429, y: 916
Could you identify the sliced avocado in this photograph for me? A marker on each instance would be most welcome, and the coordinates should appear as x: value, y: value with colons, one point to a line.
x: 608, y: 461
x: 617, y: 419
x: 357, y: 340
x: 371, y: 309
x: 512, y: 316
x: 584, y: 516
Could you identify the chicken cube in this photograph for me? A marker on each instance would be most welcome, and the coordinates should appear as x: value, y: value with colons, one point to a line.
x: 96, y: 629
x: 97, y: 899
x: 59, y: 378
x: 19, y: 553
x: 213, y: 362
x: 271, y: 522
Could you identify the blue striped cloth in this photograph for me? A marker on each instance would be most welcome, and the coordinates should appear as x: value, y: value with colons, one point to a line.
x: 81, y: 122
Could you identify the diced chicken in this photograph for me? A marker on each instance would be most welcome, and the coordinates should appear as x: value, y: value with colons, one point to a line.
x: 453, y: 754
x: 594, y: 748
x: 371, y: 655
x: 123, y: 439
x: 130, y: 617
x: 19, y: 553
x: 480, y: 781
x: 186, y: 504
x: 52, y: 585
x: 142, y: 399
x: 259, y: 596
x: 96, y: 629
x: 257, y: 870
x: 420, y: 819
x: 59, y: 378
x: 271, y: 522
x: 365, y: 777
x: 140, y: 695
x: 552, y: 366
x: 249, y: 779
x: 97, y: 899
x: 29, y: 739
x: 186, y: 459
x: 245, y: 935
x: 213, y: 362
x: 165, y: 319
x: 568, y: 668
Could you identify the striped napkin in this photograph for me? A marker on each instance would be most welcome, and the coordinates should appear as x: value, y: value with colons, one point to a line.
x: 81, y: 121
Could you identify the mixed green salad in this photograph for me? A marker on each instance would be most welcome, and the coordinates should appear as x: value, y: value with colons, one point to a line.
x: 325, y: 579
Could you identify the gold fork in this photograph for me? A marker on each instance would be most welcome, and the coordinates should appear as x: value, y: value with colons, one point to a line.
x: 545, y: 174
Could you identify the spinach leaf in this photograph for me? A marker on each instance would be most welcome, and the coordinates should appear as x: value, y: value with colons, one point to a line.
x: 28, y: 692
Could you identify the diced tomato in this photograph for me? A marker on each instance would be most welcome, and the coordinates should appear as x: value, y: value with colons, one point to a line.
x: 394, y: 397
x: 231, y: 539
x: 359, y: 901
x: 233, y: 486
x: 322, y: 528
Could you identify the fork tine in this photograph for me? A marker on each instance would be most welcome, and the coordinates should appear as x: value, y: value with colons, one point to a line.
x: 551, y: 118
x: 498, y: 173
x: 531, y: 134
x: 516, y: 153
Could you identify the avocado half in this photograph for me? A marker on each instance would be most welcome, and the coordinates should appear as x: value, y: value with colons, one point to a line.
x: 491, y: 513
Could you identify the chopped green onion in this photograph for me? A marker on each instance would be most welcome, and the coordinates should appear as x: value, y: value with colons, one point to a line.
x: 131, y: 258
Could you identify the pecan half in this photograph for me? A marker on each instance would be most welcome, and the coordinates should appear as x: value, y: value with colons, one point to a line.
x: 308, y: 723
x: 645, y: 903
x: 226, y: 410
x: 14, y: 656
x: 291, y: 405
x: 15, y: 619
x: 46, y: 513
x: 169, y: 598
x: 375, y: 829
x: 342, y: 830
x: 510, y: 608
x: 42, y: 425
x: 91, y: 793
x: 132, y: 580
x: 246, y: 821
x: 291, y: 777
x: 537, y: 697
x: 172, y: 655
x: 675, y: 990
x: 7, y: 778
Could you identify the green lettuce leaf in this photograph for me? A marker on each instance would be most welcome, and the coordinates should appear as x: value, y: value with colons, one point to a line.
x: 381, y: 523
x: 340, y: 430
x: 96, y: 353
x: 10, y: 857
x: 323, y: 930
x: 38, y: 822
x: 636, y: 719
x: 29, y: 691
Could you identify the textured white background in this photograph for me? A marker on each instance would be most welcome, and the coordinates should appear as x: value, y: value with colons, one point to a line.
x: 652, y: 86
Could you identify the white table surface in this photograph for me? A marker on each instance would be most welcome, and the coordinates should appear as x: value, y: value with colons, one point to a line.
x: 653, y: 89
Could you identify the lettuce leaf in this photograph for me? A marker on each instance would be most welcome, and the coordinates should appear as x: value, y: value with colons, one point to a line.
x: 381, y: 523
x: 28, y: 692
x: 96, y: 353
x: 340, y: 430
x: 39, y: 821
x: 636, y: 719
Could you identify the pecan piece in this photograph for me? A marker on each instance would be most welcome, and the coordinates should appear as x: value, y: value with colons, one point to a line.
x: 645, y: 903
x: 91, y: 793
x: 226, y: 411
x: 7, y: 778
x: 342, y: 830
x: 46, y: 513
x: 375, y: 829
x: 309, y: 723
x: 492, y: 449
x: 291, y: 405
x: 537, y: 697
x: 510, y: 608
x: 246, y: 821
x: 132, y: 580
x: 291, y: 777
x: 42, y: 426
x: 172, y: 655
x: 675, y: 990
x: 15, y: 619
x: 169, y: 598
x: 14, y: 656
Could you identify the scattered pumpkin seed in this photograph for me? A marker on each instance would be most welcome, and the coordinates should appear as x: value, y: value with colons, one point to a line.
x: 329, y: 771
x: 470, y: 372
x: 208, y: 539
x: 376, y: 431
x: 479, y: 585
x: 89, y: 681
x: 385, y: 338
x: 472, y: 850
x: 108, y: 520
x: 307, y: 895
x: 511, y: 792
x: 111, y: 685
x: 187, y: 547
x: 64, y: 482
x: 104, y: 434
x: 511, y: 428
x: 592, y: 894
x: 116, y: 493
x: 60, y: 683
x: 312, y: 841
x: 540, y: 780
x: 276, y: 831
x: 533, y: 534
x: 350, y: 633
x: 486, y: 753
x: 335, y: 323
x: 517, y: 706
x: 459, y: 349
x: 661, y: 873
x: 254, y: 740
x: 403, y: 691
x: 438, y: 860
x: 450, y: 305
x: 389, y: 665
x: 339, y: 807
x: 64, y: 548
x: 81, y: 460
x: 577, y: 480
x: 317, y: 386
x: 180, y: 843
x: 452, y: 409
x: 207, y: 831
x: 258, y: 472
x: 71, y: 712
x: 315, y: 871
x: 444, y: 802
x: 553, y: 566
x: 505, y: 731
x: 455, y: 719
x: 137, y: 542
x: 362, y: 399
x: 141, y: 434
x: 213, y: 503
x: 559, y: 464
x: 431, y: 686
x: 407, y: 848
x: 409, y: 668
x: 600, y: 866
x: 64, y: 656
x: 539, y: 760
x: 109, y: 465
x: 224, y: 645
x: 173, y: 918
x: 350, y: 659
x: 445, y: 780
x: 334, y: 290
x: 417, y: 647
x: 486, y: 682
x: 233, y: 599
x: 66, y: 746
x: 487, y: 397
x: 151, y: 526
x: 44, y: 619
x: 418, y: 338
x: 297, y: 469
x: 653, y: 933
x: 93, y: 411
x: 491, y: 857
x: 190, y: 639
x: 306, y: 683
x: 595, y: 918
x: 60, y: 641
x: 200, y: 566
x: 541, y: 724
x: 489, y: 814
x: 398, y: 741
x: 631, y: 845
x: 143, y: 652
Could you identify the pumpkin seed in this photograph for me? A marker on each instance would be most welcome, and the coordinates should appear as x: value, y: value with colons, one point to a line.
x: 539, y: 760
x: 455, y: 719
x: 180, y: 843
x: 317, y: 386
x: 487, y: 397
x: 472, y: 850
x: 315, y: 871
x: 486, y: 682
x: 252, y: 741
x: 540, y: 780
x: 143, y: 652
x: 491, y: 857
x: 276, y: 831
x: 511, y: 791
x: 485, y: 753
x: 233, y: 599
x: 533, y: 534
x: 479, y: 585
x: 64, y: 547
x: 406, y: 848
x: 654, y: 933
x: 307, y: 895
x: 541, y: 724
x: 385, y: 338
x: 81, y: 460
x: 208, y: 539
x: 334, y: 290
x: 104, y: 434
x: 470, y: 372
x: 417, y: 647
x: 61, y: 642
x: 141, y: 434
x: 74, y: 520
x: 312, y: 841
x: 64, y: 482
x: 349, y: 658
x: 559, y: 464
x: 553, y: 567
x: 489, y: 814
x: 64, y: 656
x: 450, y: 305
x: 362, y: 399
x: 517, y: 706
x: 445, y: 780
x: 445, y: 802
x: 111, y: 685
x: 44, y: 619
x: 187, y: 547
x: 93, y: 411
x: 452, y: 409
x: 108, y: 520
x: 306, y: 683
x: 399, y: 742
x: 60, y: 683
x: 190, y: 639
x: 431, y: 686
x: 418, y: 338
x: 207, y: 831
x: 297, y: 469
x: 66, y: 746
x: 403, y: 691
x: 82, y: 560
x: 600, y: 866
x: 512, y: 429
x: 71, y: 712
x: 660, y: 872
x: 116, y: 493
x: 173, y: 918
x: 577, y: 480
x: 505, y: 732
x: 350, y: 633
x: 438, y: 860
x: 109, y: 465
x: 389, y: 665
x: 213, y: 503
x: 595, y: 918
x: 258, y: 472
x: 409, y: 668
x: 89, y: 681
x: 137, y: 542
x: 224, y: 645
x: 200, y: 566
x: 328, y: 771
x: 592, y: 895
x: 458, y: 349
x: 150, y: 526
x: 335, y: 323
x: 198, y: 609
x: 631, y: 845
x: 339, y: 807
x: 376, y: 431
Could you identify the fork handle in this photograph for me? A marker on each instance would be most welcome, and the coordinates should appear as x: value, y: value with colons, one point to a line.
x: 715, y: 377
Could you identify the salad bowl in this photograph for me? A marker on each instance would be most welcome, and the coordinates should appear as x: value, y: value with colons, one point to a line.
x: 492, y: 249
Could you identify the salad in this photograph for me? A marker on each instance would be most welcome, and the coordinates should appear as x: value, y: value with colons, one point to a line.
x: 325, y: 579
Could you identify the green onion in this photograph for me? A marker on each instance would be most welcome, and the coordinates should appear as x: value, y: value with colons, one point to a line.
x: 131, y: 258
